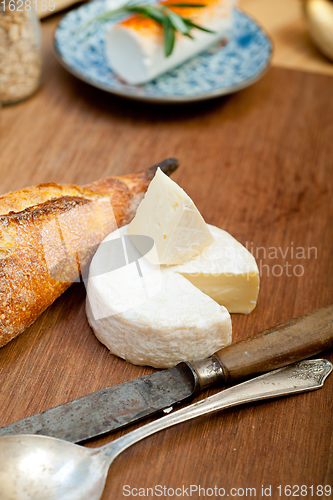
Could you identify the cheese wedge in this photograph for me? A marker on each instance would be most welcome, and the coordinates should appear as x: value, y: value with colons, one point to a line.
x: 135, y: 46
x: 226, y: 271
x: 157, y: 319
x: 168, y: 216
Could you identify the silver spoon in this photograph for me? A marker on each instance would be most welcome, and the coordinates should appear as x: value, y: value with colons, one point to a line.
x: 44, y: 468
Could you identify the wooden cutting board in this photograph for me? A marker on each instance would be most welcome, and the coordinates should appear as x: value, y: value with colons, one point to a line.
x: 258, y: 164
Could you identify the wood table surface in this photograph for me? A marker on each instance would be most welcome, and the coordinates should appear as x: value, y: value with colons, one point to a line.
x: 257, y: 164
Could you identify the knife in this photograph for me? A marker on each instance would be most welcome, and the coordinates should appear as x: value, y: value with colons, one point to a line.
x: 117, y: 406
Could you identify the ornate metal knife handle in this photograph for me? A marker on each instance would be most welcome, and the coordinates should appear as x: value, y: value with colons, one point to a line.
x: 292, y: 379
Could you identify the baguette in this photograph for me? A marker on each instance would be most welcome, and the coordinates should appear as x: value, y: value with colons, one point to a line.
x: 48, y: 235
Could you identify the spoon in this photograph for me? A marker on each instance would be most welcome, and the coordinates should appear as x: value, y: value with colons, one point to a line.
x: 36, y: 467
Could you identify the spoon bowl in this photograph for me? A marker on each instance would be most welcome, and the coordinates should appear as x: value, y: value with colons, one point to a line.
x: 45, y: 468
x: 49, y: 468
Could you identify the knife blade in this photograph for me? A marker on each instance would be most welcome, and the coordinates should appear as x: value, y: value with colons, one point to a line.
x: 118, y: 406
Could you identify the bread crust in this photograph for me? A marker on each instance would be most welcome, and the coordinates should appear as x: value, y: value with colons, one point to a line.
x: 48, y: 235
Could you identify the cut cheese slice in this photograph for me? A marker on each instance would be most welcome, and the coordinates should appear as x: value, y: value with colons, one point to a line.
x: 159, y: 319
x: 135, y: 46
x: 168, y: 215
x: 226, y: 271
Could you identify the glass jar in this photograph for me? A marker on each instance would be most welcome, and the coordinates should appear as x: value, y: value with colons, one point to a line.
x: 20, y: 50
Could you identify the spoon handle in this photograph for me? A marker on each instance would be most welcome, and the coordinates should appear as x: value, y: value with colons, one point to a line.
x: 292, y: 379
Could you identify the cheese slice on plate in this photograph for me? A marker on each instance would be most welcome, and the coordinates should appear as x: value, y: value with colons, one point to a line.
x: 226, y: 271
x: 157, y: 319
x: 135, y: 46
x: 168, y: 215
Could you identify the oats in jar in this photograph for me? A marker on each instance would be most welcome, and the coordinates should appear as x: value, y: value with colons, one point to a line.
x: 20, y: 52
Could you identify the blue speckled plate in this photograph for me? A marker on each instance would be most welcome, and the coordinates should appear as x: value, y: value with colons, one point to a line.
x: 218, y: 71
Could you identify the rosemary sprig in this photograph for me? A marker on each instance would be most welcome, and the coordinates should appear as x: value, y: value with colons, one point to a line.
x: 169, y: 20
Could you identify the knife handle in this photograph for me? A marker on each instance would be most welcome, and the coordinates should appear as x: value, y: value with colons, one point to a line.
x: 273, y: 348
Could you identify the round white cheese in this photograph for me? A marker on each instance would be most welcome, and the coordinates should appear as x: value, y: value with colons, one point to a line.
x: 152, y: 316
